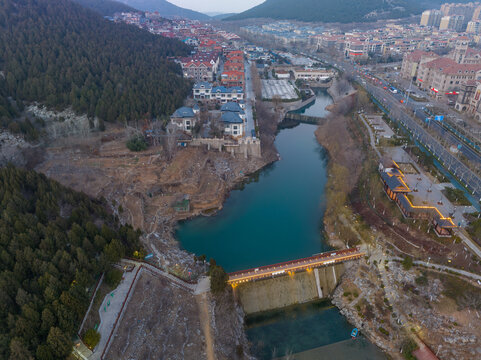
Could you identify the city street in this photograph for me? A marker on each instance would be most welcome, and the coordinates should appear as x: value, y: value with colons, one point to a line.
x: 250, y: 99
x: 398, y: 112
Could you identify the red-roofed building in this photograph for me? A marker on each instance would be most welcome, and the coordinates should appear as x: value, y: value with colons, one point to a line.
x: 232, y: 78
x: 444, y: 75
x: 411, y: 61
x: 234, y: 66
x: 235, y: 53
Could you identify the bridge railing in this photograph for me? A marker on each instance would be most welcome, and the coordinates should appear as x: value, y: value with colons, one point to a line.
x: 318, y: 256
x: 295, y: 265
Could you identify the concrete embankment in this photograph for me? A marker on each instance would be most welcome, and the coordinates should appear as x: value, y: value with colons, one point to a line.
x: 287, y: 290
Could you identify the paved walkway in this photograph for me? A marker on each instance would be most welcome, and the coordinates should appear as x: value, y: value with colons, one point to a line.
x: 448, y: 268
x: 371, y: 135
x: 469, y: 243
x: 110, y: 310
x: 188, y: 286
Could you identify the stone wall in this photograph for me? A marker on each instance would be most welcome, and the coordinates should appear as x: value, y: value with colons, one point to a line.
x: 248, y: 147
x: 287, y: 290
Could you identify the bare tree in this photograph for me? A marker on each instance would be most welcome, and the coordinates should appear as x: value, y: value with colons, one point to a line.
x: 169, y: 141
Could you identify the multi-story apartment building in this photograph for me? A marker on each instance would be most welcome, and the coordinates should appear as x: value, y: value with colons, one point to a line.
x: 444, y: 75
x: 411, y: 61
x: 473, y: 27
x: 431, y: 18
x: 232, y: 78
x: 198, y: 70
x: 202, y: 91
x: 226, y: 94
x: 452, y: 22
x: 233, y: 66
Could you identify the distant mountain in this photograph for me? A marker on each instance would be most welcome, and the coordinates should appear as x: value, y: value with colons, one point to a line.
x: 344, y: 11
x: 105, y: 7
x: 222, y: 16
x: 166, y: 9
x: 62, y: 55
x: 213, y: 13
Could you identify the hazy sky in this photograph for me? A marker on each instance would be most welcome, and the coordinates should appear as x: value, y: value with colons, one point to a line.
x: 224, y: 6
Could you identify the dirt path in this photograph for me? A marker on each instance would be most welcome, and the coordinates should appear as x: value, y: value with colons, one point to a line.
x: 205, y: 324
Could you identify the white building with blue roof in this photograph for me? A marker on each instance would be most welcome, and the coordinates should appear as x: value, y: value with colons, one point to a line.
x: 233, y: 124
x: 185, y: 118
x: 226, y: 94
x: 202, y: 90
x: 233, y: 107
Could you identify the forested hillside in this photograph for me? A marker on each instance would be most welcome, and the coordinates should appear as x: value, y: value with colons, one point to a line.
x: 61, y: 54
x: 344, y: 11
x: 54, y: 243
x: 166, y: 9
x: 105, y: 7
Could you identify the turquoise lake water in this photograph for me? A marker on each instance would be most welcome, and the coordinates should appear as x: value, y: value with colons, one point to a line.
x: 273, y: 219
x: 276, y: 217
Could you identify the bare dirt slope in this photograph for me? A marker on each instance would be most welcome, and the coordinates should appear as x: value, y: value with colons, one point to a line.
x: 145, y: 184
x: 160, y: 322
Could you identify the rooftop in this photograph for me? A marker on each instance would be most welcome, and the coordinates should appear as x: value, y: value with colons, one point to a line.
x: 183, y: 112
x: 231, y: 107
x: 231, y: 118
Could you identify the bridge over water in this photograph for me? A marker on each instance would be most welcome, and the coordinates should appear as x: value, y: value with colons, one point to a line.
x: 306, y: 119
x: 290, y: 267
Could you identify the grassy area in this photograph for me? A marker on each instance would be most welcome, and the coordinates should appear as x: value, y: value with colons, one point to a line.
x: 474, y: 228
x: 397, y: 141
x: 456, y: 196
x: 462, y: 292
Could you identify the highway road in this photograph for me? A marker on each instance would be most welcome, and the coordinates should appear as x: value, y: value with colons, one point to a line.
x: 285, y: 268
x: 391, y: 102
x: 452, y: 139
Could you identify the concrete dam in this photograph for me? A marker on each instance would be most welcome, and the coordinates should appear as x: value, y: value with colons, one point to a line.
x: 293, y: 288
x: 292, y: 282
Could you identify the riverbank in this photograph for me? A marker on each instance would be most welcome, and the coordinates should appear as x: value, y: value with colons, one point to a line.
x: 394, y: 305
x: 146, y: 189
x: 336, y: 135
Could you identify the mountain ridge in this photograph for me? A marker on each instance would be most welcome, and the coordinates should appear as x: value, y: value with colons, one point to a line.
x: 105, y: 7
x: 342, y: 11
x: 166, y: 9
x: 62, y: 55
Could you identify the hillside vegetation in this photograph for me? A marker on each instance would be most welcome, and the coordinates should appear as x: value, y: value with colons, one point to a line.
x: 166, y: 9
x: 54, y: 244
x: 344, y: 11
x: 61, y: 54
x: 105, y: 7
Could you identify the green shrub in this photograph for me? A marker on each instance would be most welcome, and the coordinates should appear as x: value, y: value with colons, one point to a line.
x: 407, y: 263
x: 113, y: 277
x: 383, y: 331
x: 137, y: 143
x: 408, y: 346
x: 422, y: 280
x: 91, y: 338
x: 218, y: 279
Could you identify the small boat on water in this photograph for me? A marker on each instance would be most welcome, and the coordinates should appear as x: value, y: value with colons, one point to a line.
x: 354, y: 333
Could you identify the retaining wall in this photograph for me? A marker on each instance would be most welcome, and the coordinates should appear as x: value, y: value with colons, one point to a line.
x: 287, y: 290
x: 244, y: 146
